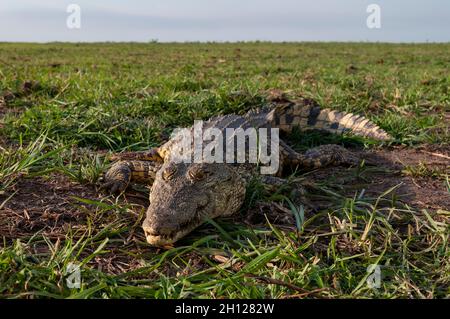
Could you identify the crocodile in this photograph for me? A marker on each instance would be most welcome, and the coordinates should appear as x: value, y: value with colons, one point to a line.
x: 184, y: 195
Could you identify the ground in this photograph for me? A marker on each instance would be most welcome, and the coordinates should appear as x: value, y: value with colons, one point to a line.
x: 65, y: 107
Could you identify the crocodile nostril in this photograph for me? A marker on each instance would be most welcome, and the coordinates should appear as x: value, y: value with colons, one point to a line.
x: 149, y: 231
x: 155, y: 230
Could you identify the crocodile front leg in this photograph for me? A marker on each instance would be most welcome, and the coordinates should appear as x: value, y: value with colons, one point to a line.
x: 122, y: 173
x: 319, y: 157
x: 150, y: 155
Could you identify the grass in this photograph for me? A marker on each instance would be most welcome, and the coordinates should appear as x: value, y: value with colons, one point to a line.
x: 63, y: 107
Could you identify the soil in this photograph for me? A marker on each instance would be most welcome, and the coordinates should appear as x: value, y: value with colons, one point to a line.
x: 423, y: 192
x: 42, y: 205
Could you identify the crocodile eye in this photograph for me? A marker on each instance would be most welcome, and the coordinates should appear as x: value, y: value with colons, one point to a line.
x: 169, y: 172
x: 196, y: 173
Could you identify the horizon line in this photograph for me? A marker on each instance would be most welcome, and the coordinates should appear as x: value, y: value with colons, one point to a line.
x: 155, y: 41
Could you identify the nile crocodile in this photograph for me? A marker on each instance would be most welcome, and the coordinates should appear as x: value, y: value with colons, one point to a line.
x: 183, y: 195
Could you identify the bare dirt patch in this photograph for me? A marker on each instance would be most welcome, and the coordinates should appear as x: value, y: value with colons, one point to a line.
x: 424, y: 190
x: 432, y: 155
x: 41, y: 205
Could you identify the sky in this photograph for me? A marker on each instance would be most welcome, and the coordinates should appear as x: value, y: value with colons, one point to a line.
x: 225, y: 20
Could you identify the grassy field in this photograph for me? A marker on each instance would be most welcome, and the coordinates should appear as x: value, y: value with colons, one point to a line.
x: 65, y: 107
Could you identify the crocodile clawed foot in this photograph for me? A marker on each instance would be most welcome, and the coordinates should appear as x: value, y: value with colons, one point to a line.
x: 117, y: 178
x: 113, y: 187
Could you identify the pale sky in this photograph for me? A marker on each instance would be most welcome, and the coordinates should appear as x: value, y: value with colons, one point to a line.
x: 225, y: 20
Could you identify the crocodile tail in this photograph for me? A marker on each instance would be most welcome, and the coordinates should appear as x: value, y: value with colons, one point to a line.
x: 307, y: 115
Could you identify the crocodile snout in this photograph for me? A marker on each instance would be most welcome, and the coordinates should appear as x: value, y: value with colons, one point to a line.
x: 156, y: 229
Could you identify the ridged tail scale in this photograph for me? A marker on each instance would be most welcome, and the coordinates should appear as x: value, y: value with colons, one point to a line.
x: 309, y: 116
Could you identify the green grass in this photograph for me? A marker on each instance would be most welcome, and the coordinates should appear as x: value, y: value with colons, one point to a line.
x: 92, y: 99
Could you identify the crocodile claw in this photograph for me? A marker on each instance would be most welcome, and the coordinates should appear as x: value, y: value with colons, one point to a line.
x: 113, y: 186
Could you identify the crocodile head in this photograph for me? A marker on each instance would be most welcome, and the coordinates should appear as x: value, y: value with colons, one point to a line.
x: 184, y: 195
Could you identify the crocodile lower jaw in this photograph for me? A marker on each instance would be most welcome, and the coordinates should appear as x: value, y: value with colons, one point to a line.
x: 164, y: 240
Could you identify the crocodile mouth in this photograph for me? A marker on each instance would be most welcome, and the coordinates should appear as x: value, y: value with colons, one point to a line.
x: 158, y: 239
